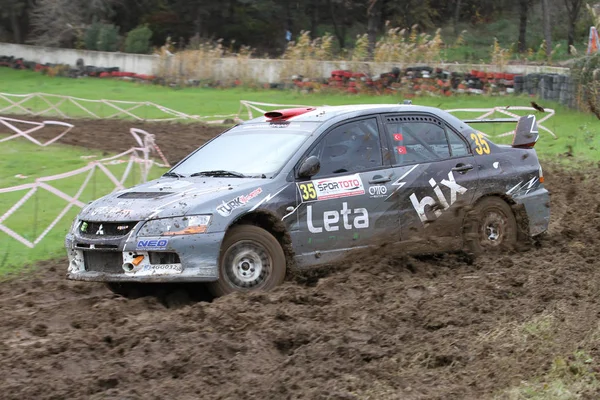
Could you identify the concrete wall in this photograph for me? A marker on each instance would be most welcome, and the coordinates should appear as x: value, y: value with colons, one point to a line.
x: 267, y: 70
x: 139, y: 63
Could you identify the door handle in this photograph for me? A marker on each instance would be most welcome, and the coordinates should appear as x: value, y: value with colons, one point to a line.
x: 379, y: 179
x: 462, y: 168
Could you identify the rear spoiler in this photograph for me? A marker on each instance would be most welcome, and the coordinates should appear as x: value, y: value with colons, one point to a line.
x: 526, y: 132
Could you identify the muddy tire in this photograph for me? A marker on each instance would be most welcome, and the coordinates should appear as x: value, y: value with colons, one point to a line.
x: 491, y: 226
x: 251, y: 260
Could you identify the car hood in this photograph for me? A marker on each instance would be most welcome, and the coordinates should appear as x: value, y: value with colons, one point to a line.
x: 169, y: 197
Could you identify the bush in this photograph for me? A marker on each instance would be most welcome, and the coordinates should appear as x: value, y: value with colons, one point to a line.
x: 138, y: 40
x: 102, y: 37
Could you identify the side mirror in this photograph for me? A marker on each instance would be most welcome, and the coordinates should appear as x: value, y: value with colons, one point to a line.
x: 309, y: 167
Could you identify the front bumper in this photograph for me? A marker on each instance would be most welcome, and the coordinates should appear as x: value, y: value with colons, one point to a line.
x: 103, y: 259
x: 537, y: 208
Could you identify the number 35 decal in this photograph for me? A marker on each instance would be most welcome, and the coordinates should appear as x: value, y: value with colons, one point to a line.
x: 481, y: 145
x: 308, y: 191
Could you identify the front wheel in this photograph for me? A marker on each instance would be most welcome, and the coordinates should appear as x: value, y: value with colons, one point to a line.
x: 251, y: 260
x: 491, y: 226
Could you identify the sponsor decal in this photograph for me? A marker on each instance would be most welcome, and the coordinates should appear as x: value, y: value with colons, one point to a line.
x: 100, y: 230
x: 377, y: 191
x: 350, y: 219
x: 331, y: 188
x: 226, y: 208
x: 109, y: 210
x: 155, y: 244
x: 83, y: 227
x: 455, y: 189
x: 398, y: 137
x: 401, y: 149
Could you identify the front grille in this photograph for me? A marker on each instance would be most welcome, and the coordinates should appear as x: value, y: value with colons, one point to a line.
x: 103, y: 261
x: 144, y: 195
x: 97, y: 229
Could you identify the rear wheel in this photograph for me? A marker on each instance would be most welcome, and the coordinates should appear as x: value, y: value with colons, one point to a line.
x: 491, y: 226
x: 251, y: 260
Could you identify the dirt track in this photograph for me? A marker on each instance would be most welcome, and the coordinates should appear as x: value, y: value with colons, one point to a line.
x: 176, y: 140
x: 381, y: 327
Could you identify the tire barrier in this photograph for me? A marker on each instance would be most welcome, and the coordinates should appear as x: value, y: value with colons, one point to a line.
x: 554, y: 87
x: 138, y: 155
x: 65, y: 70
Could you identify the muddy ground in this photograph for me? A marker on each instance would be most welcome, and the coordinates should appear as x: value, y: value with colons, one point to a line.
x: 176, y: 140
x: 382, y: 326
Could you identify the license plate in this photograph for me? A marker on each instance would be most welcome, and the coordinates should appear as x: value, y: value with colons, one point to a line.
x: 161, y: 269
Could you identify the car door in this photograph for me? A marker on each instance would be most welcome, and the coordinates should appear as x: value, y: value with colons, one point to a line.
x: 438, y: 176
x: 344, y: 205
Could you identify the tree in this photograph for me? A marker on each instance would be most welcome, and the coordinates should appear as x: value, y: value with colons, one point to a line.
x: 138, y: 40
x: 373, y: 20
x: 523, y: 11
x: 456, y: 15
x: 547, y: 27
x: 56, y: 22
x: 61, y: 22
x: 14, y: 10
x: 573, y: 9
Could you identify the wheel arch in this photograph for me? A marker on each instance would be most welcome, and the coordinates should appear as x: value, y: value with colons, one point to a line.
x: 271, y: 223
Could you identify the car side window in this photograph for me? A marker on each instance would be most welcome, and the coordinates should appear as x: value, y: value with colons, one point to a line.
x: 350, y: 148
x: 458, y: 147
x: 417, y: 140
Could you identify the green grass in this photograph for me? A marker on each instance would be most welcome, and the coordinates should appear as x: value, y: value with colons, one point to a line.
x: 22, y: 157
x: 578, y: 133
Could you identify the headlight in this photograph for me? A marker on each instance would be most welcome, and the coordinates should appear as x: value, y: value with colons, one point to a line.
x: 175, y: 226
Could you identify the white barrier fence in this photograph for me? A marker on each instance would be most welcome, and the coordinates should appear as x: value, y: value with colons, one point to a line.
x: 136, y: 155
x: 253, y: 106
x: 44, y: 104
x: 487, y: 112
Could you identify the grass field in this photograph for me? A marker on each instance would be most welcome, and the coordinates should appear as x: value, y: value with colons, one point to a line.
x: 578, y: 141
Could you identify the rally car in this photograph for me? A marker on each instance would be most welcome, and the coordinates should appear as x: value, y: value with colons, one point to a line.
x: 299, y: 187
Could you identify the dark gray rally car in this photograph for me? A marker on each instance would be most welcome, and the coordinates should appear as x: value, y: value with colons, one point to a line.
x: 298, y: 188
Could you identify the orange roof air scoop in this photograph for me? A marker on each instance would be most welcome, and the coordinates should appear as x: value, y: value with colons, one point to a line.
x: 277, y: 115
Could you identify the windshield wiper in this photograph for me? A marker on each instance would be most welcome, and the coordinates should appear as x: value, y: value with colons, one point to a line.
x: 219, y: 172
x: 173, y: 175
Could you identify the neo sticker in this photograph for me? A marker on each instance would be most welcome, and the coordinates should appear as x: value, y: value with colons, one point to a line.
x: 159, y: 244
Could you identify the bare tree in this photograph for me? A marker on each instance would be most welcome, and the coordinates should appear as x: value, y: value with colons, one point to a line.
x: 547, y: 27
x: 523, y: 14
x: 373, y: 21
x: 59, y: 22
x: 456, y: 15
x: 55, y: 22
x: 573, y: 9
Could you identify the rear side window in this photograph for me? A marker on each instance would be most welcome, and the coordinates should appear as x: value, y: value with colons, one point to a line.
x: 422, y: 140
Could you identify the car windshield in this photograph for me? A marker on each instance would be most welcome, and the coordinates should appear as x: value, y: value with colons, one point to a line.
x: 253, y: 150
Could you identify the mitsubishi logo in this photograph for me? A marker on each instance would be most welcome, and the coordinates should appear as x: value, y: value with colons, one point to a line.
x: 100, y: 230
